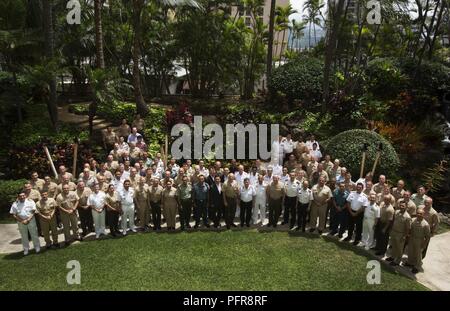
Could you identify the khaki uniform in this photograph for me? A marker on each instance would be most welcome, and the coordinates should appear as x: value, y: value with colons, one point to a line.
x: 418, y: 200
x: 48, y: 208
x: 418, y: 239
x: 169, y: 205
x: 398, y: 194
x: 311, y: 167
x: 51, y: 189
x: 112, y: 166
x: 110, y: 138
x: 154, y: 194
x: 72, y: 187
x: 230, y: 191
x: 116, y: 154
x: 142, y: 204
x: 60, y: 177
x: 433, y: 220
x: 124, y: 130
x: 70, y: 221
x: 380, y: 198
x: 138, y: 124
x: 313, y: 177
x: 135, y: 152
x: 410, y: 207
x: 107, y: 174
x: 378, y: 188
x: 275, y: 195
x: 134, y: 180
x: 34, y: 195
x: 103, y: 186
x: 37, y: 184
x: 319, y: 205
x: 399, y: 232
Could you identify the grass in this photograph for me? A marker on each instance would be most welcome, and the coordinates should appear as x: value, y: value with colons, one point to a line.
x: 239, y: 260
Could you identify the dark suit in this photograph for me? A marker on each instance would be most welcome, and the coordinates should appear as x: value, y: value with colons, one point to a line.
x: 210, y: 179
x: 216, y: 204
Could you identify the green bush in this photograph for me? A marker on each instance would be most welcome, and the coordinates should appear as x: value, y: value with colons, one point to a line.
x: 347, y: 147
x: 37, y: 127
x: 155, y: 129
x: 8, y: 194
x: 385, y: 78
x: 300, y: 79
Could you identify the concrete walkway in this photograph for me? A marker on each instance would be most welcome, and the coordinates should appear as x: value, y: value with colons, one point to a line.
x: 436, y: 265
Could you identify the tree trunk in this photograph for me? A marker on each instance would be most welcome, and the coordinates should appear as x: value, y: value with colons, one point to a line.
x: 329, y: 51
x: 436, y: 32
x: 47, y: 6
x: 141, y: 107
x: 270, y: 39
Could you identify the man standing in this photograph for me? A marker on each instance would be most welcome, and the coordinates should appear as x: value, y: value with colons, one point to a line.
x: 142, y: 203
x: 127, y: 195
x: 432, y: 218
x: 87, y: 222
x: 46, y: 209
x: 155, y: 192
x: 67, y: 203
x: 357, y: 203
x: 384, y: 226
x: 260, y: 201
x: 96, y: 202
x: 399, y: 233
x: 246, y: 194
x: 201, y: 198
x: 216, y: 201
x: 230, y: 197
x: 50, y: 187
x: 36, y: 182
x: 321, y: 195
x: 371, y: 218
x: 109, y: 139
x: 290, y: 199
x: 419, y: 238
x: 419, y: 197
x: 380, y: 185
x: 184, y: 194
x: 275, y: 193
x: 23, y: 211
x: 398, y: 192
x: 339, y: 214
x: 410, y: 206
x: 304, y: 199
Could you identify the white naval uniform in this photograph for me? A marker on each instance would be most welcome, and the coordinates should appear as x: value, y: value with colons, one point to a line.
x: 260, y: 203
x: 371, y: 213
x: 97, y: 200
x: 127, y: 201
x: 23, y: 210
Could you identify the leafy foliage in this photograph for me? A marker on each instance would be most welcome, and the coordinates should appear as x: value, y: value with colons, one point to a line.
x: 299, y: 79
x: 347, y: 147
x: 8, y: 194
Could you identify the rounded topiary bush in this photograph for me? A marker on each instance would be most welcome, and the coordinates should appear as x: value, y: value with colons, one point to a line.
x: 347, y: 147
x: 299, y: 79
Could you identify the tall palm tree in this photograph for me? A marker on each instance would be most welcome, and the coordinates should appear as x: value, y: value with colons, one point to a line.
x: 270, y: 39
x: 283, y: 14
x: 47, y: 10
x: 137, y: 8
x: 312, y: 8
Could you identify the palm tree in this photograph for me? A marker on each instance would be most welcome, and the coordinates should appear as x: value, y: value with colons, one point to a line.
x: 283, y: 14
x: 312, y: 8
x: 297, y: 33
x: 47, y: 8
x: 137, y: 8
x: 270, y: 39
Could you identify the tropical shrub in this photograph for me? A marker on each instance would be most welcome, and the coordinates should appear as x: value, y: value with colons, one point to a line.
x: 8, y: 193
x: 385, y: 78
x: 347, y: 147
x: 300, y: 79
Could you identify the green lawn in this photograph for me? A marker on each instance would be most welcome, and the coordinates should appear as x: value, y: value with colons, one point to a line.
x: 238, y: 260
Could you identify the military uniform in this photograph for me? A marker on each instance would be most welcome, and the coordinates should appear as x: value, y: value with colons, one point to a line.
x: 230, y: 191
x: 69, y: 220
x: 410, y: 207
x: 418, y: 239
x: 86, y: 220
x: 184, y: 193
x: 275, y: 195
x: 319, y: 206
x: 25, y: 210
x: 37, y: 184
x: 155, y: 204
x: 34, y: 195
x: 383, y: 227
x: 51, y: 188
x: 113, y: 215
x: 399, y: 232
x: 143, y: 205
x: 72, y: 187
x: 169, y: 204
x: 397, y: 194
x: 432, y: 218
x: 48, y: 208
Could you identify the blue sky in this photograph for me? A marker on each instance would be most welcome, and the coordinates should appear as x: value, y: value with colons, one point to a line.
x: 297, y: 5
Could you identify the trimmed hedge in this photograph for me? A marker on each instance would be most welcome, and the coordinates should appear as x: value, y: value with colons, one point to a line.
x: 347, y: 147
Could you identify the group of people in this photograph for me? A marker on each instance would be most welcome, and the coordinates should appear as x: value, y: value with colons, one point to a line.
x: 131, y: 191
